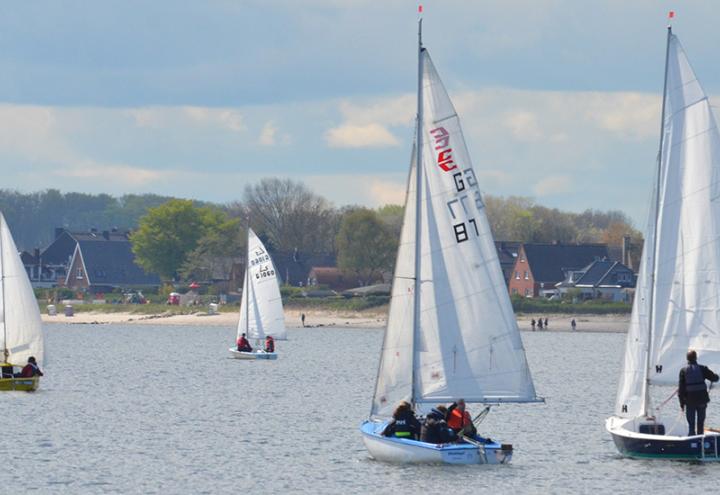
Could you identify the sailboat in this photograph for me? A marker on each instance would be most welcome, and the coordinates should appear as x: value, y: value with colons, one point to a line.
x: 261, y: 310
x: 451, y: 330
x: 21, y: 325
x: 677, y: 299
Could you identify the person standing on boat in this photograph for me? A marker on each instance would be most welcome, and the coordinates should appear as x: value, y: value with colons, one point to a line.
x: 31, y: 369
x: 269, y: 344
x: 459, y: 420
x: 693, y: 393
x: 404, y: 423
x: 243, y: 344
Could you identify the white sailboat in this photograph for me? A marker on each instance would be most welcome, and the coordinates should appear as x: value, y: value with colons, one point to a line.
x: 451, y: 331
x: 677, y: 300
x: 261, y: 310
x: 21, y: 325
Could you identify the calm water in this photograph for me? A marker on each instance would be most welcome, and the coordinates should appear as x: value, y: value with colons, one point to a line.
x: 129, y: 409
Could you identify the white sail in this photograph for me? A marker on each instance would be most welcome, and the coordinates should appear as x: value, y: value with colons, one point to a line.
x: 467, y: 341
x: 20, y: 324
x: 686, y: 302
x: 261, y: 310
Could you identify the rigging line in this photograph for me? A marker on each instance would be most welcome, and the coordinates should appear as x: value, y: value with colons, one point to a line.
x: 685, y: 107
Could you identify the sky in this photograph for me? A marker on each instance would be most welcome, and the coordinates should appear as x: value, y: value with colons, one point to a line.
x: 559, y: 99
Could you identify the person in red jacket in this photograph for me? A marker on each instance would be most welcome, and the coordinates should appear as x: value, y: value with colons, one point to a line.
x: 459, y: 419
x: 269, y: 344
x: 31, y: 369
x: 243, y: 344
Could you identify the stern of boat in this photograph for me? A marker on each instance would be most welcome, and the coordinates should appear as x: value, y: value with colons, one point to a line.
x: 19, y: 384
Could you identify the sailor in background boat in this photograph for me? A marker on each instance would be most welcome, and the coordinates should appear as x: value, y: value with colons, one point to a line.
x: 459, y: 419
x: 30, y: 370
x: 693, y: 393
x: 243, y: 344
x: 404, y: 424
x: 269, y: 344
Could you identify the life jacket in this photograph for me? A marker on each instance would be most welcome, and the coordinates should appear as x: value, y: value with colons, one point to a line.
x: 458, y: 419
x: 403, y: 428
x: 694, y: 379
x: 28, y: 371
x: 269, y: 345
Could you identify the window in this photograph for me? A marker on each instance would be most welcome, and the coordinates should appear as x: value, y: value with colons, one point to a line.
x: 527, y: 292
x: 517, y: 275
x: 526, y: 275
x: 79, y: 273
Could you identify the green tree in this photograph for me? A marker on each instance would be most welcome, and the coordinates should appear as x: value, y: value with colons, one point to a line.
x: 168, y: 233
x: 216, y: 252
x: 366, y: 246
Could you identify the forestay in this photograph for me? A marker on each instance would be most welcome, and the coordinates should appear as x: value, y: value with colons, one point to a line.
x: 20, y: 324
x: 686, y: 295
x: 261, y: 310
x: 467, y: 342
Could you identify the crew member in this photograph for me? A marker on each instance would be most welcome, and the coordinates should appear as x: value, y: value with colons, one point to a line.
x: 693, y: 393
x: 435, y: 429
x: 269, y: 344
x: 459, y: 419
x: 243, y: 344
x: 31, y: 369
x: 404, y: 423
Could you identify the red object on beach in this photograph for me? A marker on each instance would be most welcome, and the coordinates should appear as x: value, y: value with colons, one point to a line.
x: 194, y: 285
x: 420, y: 9
x: 671, y: 14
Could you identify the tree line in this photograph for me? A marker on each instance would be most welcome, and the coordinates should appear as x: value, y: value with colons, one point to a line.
x: 184, y: 239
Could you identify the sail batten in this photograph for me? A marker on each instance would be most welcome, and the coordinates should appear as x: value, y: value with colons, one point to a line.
x: 467, y: 343
x: 261, y: 311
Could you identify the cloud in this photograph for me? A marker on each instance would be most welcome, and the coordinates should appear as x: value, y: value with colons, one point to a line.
x: 267, y: 135
x: 122, y: 174
x: 387, y: 192
x: 360, y: 136
x: 553, y: 185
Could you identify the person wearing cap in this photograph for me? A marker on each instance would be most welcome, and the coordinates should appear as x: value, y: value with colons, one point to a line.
x: 435, y: 429
x: 459, y: 419
x: 31, y: 369
x: 243, y: 345
x: 693, y: 393
x: 404, y: 423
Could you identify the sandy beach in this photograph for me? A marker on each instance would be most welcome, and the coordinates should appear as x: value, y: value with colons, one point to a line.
x: 317, y: 318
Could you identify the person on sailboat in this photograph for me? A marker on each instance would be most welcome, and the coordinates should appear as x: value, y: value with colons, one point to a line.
x: 404, y: 424
x: 31, y: 369
x: 243, y: 345
x: 435, y: 429
x: 693, y: 393
x: 269, y: 344
x: 459, y: 419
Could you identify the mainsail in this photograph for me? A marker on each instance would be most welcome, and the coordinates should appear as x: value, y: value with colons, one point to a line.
x: 678, y: 308
x: 464, y: 341
x: 20, y: 324
x: 261, y: 311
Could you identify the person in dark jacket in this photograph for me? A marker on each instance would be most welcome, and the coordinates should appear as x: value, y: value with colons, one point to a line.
x: 693, y: 393
x: 243, y: 345
x: 31, y: 369
x: 435, y: 429
x: 404, y: 423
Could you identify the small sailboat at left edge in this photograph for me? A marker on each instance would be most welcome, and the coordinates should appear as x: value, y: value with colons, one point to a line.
x: 21, y: 325
x: 261, y: 310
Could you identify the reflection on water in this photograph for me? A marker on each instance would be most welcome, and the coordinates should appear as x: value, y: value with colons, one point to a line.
x: 163, y: 409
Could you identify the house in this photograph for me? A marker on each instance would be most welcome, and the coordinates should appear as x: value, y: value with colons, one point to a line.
x: 507, y: 252
x: 601, y: 279
x: 103, y: 262
x: 331, y: 277
x: 294, y: 267
x: 539, y: 267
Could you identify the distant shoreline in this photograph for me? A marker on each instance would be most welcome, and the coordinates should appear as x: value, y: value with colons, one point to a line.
x: 373, y: 318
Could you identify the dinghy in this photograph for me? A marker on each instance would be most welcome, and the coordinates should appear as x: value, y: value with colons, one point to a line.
x: 451, y: 330
x: 677, y: 300
x: 261, y: 310
x: 21, y: 325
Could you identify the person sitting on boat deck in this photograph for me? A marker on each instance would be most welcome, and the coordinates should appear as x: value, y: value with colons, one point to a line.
x: 459, y: 419
x: 435, y: 429
x: 693, y: 393
x: 243, y: 344
x: 404, y: 423
x: 269, y: 344
x: 31, y: 369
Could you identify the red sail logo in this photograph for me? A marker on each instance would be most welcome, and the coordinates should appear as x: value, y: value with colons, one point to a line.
x: 442, y: 146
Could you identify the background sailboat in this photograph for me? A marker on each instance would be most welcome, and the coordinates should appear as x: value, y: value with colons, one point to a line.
x: 677, y: 300
x: 451, y: 330
x: 21, y: 334
x: 261, y: 310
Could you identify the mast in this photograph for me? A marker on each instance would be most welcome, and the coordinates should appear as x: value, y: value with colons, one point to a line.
x: 651, y: 319
x: 418, y: 219
x: 6, y: 352
x: 247, y: 281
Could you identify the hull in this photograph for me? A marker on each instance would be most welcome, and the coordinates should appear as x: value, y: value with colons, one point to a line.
x: 260, y: 354
x: 19, y: 384
x: 404, y: 451
x: 673, y: 445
